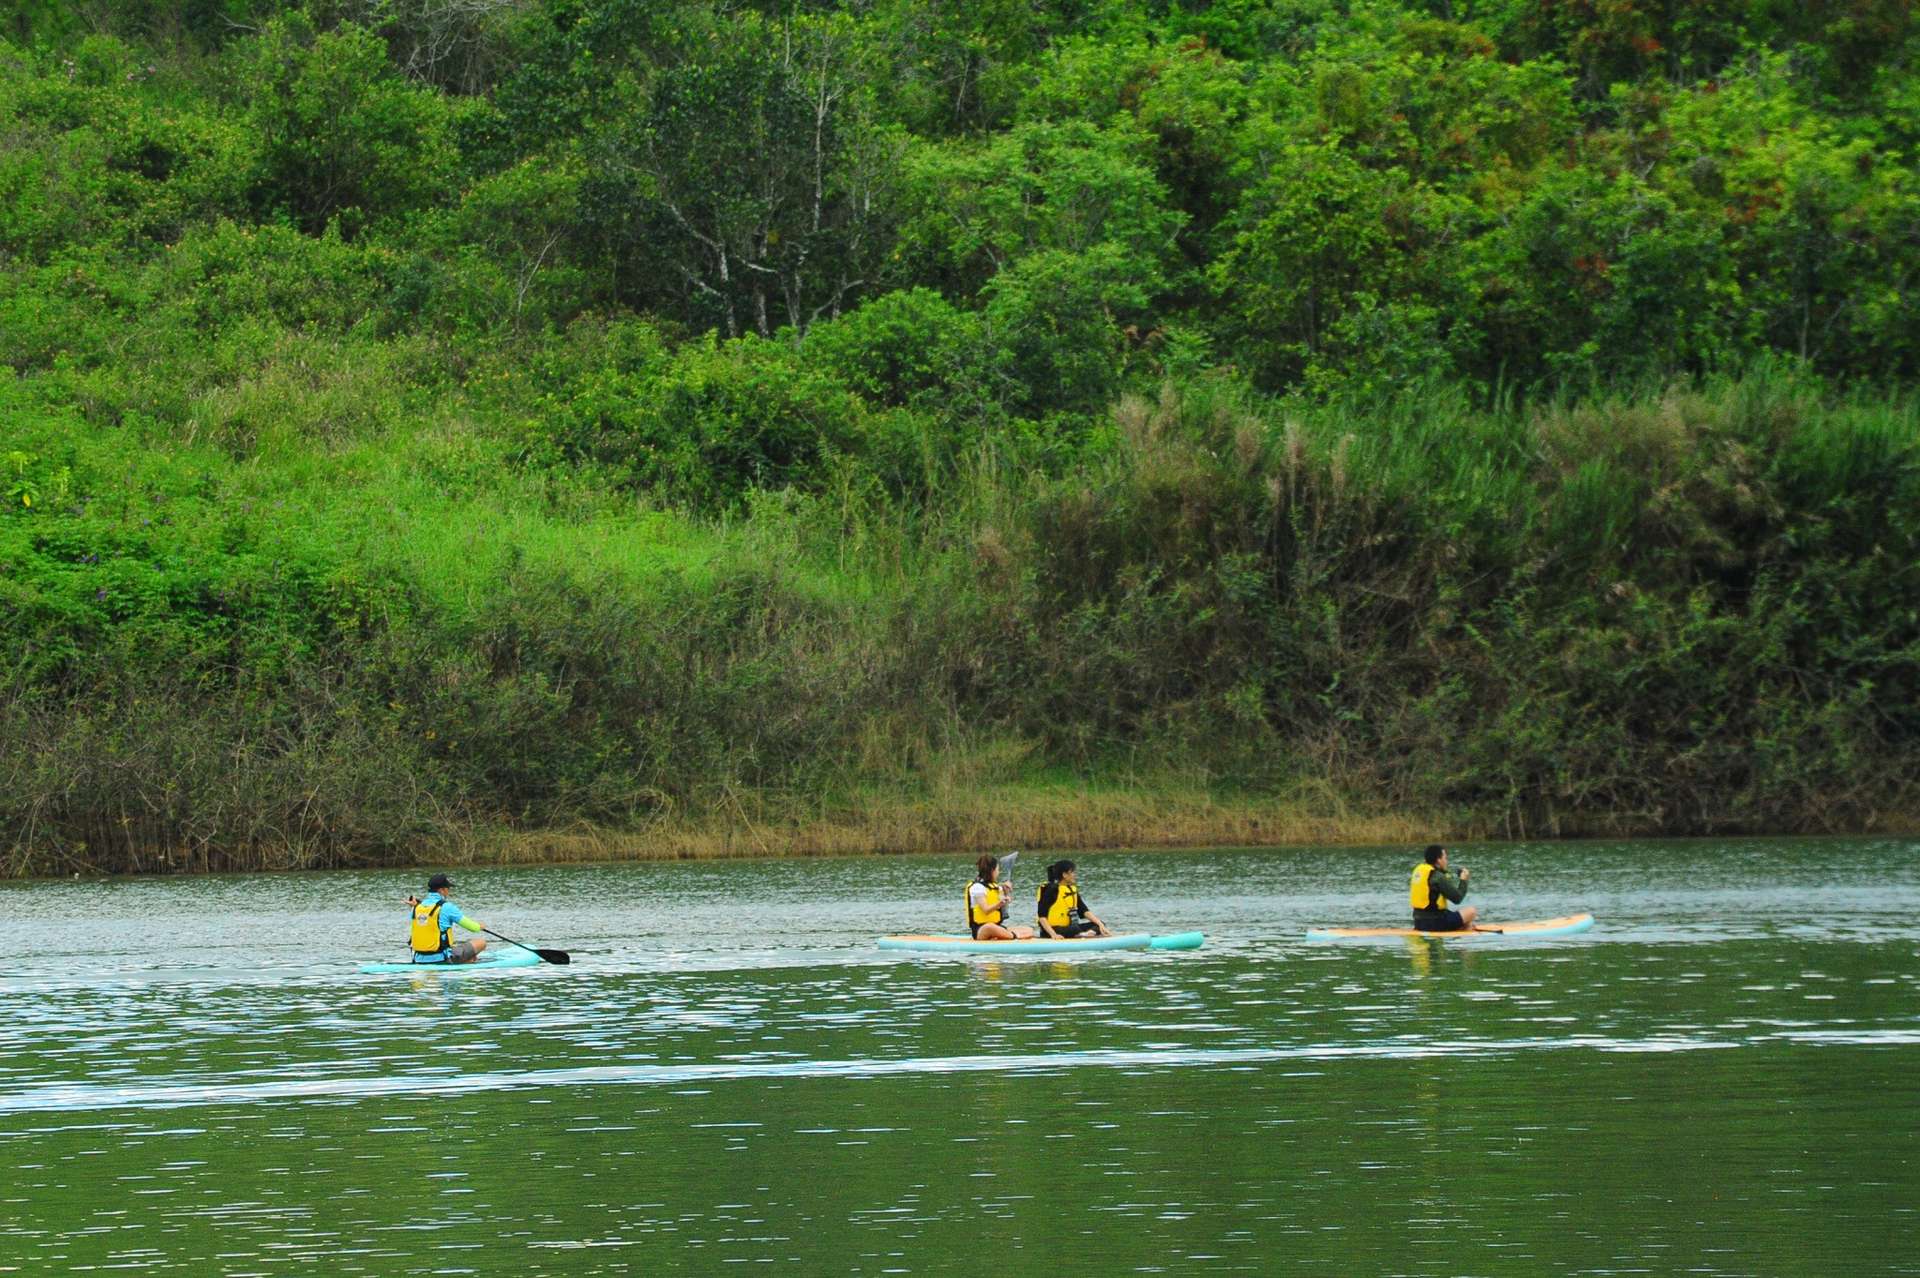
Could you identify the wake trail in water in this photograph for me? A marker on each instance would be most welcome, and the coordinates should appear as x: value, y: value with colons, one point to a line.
x: 85, y: 1096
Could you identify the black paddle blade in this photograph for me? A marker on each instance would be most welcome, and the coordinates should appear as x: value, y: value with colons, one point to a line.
x: 559, y: 958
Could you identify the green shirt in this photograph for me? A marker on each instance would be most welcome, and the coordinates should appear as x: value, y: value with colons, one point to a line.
x: 1448, y: 885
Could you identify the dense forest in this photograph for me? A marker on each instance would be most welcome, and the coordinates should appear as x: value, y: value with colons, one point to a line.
x: 447, y: 427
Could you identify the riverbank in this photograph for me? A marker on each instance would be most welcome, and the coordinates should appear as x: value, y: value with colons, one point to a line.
x: 1683, y: 613
x: 1033, y: 817
x: 1032, y: 822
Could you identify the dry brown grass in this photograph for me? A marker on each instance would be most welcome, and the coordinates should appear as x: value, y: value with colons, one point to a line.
x: 1041, y: 820
x: 1025, y: 818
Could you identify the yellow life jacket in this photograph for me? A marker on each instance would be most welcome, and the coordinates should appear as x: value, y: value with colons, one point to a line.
x: 1421, y: 893
x: 427, y: 935
x: 1066, y: 903
x: 996, y: 907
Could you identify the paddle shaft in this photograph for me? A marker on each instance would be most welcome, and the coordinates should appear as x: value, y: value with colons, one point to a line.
x: 559, y: 958
x: 1006, y: 884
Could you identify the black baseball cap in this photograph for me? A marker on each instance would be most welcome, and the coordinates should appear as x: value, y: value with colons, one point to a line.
x: 437, y: 882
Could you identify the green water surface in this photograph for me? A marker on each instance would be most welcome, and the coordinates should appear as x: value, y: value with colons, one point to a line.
x: 1719, y: 1078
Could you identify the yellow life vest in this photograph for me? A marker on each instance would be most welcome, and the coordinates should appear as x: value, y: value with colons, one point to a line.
x: 1066, y: 903
x: 996, y: 905
x: 1420, y: 892
x: 427, y: 935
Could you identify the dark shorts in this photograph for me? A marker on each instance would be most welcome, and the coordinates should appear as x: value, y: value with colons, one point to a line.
x: 461, y: 952
x: 1079, y: 927
x: 1439, y: 921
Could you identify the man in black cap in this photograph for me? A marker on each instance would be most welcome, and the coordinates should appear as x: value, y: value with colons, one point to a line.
x: 433, y: 915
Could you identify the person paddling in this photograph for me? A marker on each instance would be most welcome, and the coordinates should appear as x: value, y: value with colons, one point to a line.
x: 1063, y: 913
x: 433, y: 916
x: 987, y: 903
x: 1430, y: 890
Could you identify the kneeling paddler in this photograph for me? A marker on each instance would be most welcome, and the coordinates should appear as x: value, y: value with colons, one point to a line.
x: 1431, y: 891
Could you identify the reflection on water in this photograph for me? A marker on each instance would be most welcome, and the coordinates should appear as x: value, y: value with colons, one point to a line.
x: 1718, y: 1079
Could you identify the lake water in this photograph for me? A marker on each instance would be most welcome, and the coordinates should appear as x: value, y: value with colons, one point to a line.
x: 1721, y: 1078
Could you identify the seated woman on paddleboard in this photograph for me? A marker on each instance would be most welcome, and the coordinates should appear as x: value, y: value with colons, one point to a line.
x: 433, y: 916
x: 1432, y: 888
x: 987, y: 902
x: 1063, y: 915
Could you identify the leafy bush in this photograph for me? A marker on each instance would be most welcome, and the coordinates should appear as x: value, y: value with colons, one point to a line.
x: 342, y: 136
x: 704, y: 424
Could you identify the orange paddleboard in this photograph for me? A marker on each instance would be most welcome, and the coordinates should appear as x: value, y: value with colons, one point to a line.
x: 1566, y: 925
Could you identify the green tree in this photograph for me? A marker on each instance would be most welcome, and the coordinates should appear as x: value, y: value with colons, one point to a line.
x: 462, y: 46
x: 958, y: 68
x: 1592, y: 276
x: 511, y: 254
x: 1320, y: 233
x: 1060, y: 326
x: 1186, y: 100
x: 756, y: 177
x: 1822, y: 232
x: 342, y: 134
x: 976, y: 208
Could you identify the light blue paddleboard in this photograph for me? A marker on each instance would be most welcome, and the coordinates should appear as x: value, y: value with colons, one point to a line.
x: 491, y: 961
x: 967, y: 945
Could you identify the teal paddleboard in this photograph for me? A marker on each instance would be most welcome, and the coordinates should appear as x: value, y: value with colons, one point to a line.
x: 967, y: 945
x: 491, y: 961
